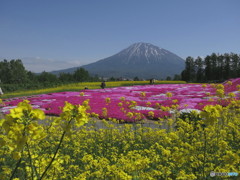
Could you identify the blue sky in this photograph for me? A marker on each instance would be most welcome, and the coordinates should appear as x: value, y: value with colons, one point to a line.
x: 57, y: 34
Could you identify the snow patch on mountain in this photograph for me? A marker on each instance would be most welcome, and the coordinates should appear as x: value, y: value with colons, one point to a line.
x: 148, y: 51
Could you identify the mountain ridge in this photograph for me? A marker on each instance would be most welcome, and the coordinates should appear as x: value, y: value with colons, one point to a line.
x: 142, y: 60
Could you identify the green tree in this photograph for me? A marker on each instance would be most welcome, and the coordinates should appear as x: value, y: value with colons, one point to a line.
x: 32, y: 77
x: 66, y: 77
x: 177, y: 77
x: 214, y: 67
x: 235, y: 66
x: 199, y: 69
x: 112, y: 79
x: 220, y: 65
x: 46, y: 77
x: 13, y: 72
x: 4, y: 71
x: 227, y: 66
x: 18, y: 74
x: 94, y: 78
x: 136, y: 78
x: 168, y: 78
x: 189, y: 73
x: 81, y: 75
x: 208, y: 68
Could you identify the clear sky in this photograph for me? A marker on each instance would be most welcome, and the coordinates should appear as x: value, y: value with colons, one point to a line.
x: 58, y: 34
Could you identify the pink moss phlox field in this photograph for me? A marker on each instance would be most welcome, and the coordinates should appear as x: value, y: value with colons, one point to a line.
x: 185, y: 96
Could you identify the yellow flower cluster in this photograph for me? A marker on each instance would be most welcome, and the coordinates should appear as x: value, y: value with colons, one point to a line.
x: 169, y: 94
x: 27, y: 147
x: 142, y: 94
x: 188, y: 146
x: 220, y: 90
x: 104, y: 112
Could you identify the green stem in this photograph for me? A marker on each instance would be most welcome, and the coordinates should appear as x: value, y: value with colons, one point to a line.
x: 15, y: 170
x: 55, y: 154
x: 19, y: 161
x: 205, y: 148
x: 31, y: 163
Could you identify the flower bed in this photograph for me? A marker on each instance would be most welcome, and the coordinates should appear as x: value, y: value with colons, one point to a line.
x: 137, y: 102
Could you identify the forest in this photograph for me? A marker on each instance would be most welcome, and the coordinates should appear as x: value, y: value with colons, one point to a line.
x: 14, y: 76
x: 213, y: 68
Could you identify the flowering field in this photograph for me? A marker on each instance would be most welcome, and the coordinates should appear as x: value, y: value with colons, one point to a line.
x: 82, y: 85
x: 134, y: 103
x: 194, y: 145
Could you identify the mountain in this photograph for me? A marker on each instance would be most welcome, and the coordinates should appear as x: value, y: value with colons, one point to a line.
x: 142, y: 60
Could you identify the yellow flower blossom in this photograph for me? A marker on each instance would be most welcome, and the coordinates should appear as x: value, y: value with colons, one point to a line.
x: 151, y: 114
x: 211, y: 113
x: 142, y: 94
x: 220, y: 93
x: 108, y: 100
x: 130, y: 114
x: 120, y: 104
x: 229, y: 83
x: 231, y: 95
x: 81, y: 93
x: 169, y: 94
x: 148, y: 103
x: 122, y: 98
x: 175, y: 101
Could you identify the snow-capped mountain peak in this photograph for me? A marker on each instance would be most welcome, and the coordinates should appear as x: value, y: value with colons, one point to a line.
x: 142, y: 60
x: 143, y: 52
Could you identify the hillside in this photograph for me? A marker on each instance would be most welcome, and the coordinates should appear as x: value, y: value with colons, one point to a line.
x: 143, y: 60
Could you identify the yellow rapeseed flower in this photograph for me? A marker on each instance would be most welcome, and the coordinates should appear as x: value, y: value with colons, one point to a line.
x: 151, y: 114
x: 211, y: 113
x: 231, y: 95
x: 122, y: 98
x: 142, y: 94
x: 130, y: 114
x: 82, y: 94
x: 219, y: 86
x: 169, y: 94
x: 38, y: 114
x: 120, y: 104
x: 229, y: 83
x: 175, y: 101
x: 148, y: 103
x: 220, y: 93
x: 108, y: 100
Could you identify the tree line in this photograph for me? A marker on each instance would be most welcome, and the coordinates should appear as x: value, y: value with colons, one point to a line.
x: 14, y: 76
x: 213, y: 68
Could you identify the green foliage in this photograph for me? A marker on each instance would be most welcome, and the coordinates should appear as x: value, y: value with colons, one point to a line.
x: 136, y: 79
x: 168, y: 78
x: 177, y: 77
x: 65, y: 77
x: 13, y: 72
x: 81, y: 75
x: 14, y: 77
x: 112, y: 79
x: 46, y: 77
x: 213, y: 68
x: 189, y: 73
